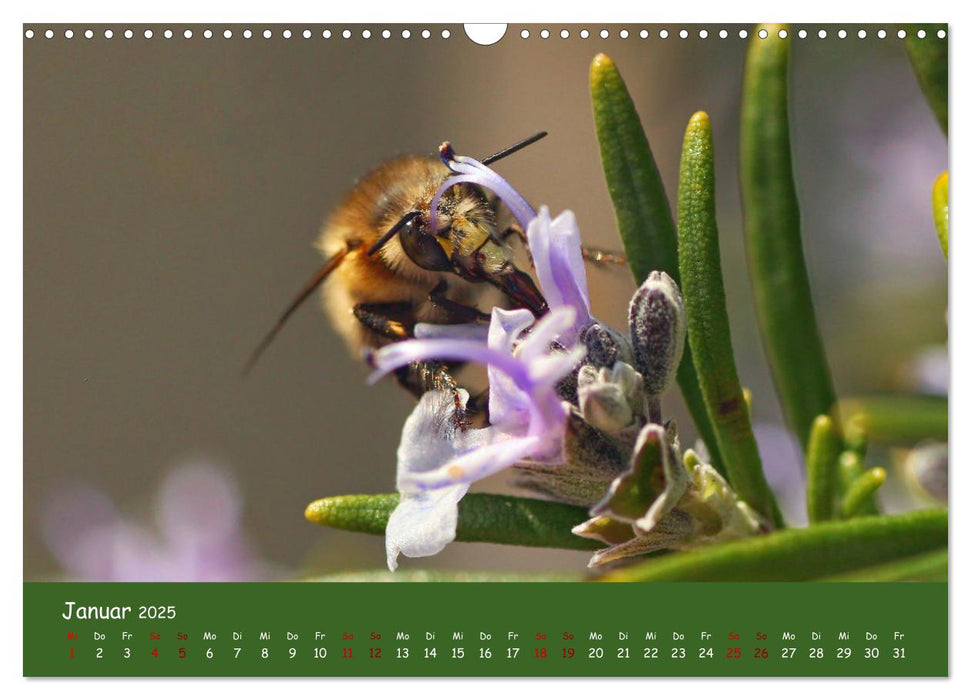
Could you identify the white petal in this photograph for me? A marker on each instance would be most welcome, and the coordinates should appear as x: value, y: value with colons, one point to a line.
x: 429, y: 438
x: 423, y: 523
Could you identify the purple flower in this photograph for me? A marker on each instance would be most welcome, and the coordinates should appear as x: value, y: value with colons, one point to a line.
x: 438, y: 460
x: 199, y: 533
x: 554, y: 244
x: 558, y: 259
x: 470, y: 171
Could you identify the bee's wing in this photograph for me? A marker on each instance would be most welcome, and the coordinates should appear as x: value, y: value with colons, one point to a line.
x: 301, y: 297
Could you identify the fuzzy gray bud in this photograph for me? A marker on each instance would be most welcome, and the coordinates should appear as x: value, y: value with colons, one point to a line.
x: 605, y: 346
x: 610, y: 399
x: 657, y: 328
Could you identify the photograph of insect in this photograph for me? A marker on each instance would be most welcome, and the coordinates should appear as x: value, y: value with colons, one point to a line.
x: 387, y: 270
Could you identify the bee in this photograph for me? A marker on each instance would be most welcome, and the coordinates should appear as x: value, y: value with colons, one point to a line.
x: 386, y: 270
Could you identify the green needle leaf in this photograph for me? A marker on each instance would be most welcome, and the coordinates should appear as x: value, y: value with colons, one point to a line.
x: 898, y: 420
x: 860, y: 493
x: 780, y: 281
x: 642, y: 208
x: 707, y: 320
x: 939, y: 203
x: 821, y: 469
x: 850, y: 469
x: 928, y: 56
x: 826, y: 549
x: 483, y: 517
x: 923, y: 567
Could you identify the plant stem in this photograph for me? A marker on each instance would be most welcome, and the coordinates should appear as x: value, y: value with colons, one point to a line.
x: 707, y: 320
x: 777, y: 265
x: 827, y: 549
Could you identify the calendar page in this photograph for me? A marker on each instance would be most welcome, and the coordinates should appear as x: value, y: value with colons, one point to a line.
x: 368, y: 350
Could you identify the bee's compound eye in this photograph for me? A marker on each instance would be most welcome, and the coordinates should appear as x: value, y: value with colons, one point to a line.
x: 423, y: 249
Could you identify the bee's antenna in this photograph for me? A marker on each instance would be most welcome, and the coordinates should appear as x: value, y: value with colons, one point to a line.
x: 301, y: 297
x: 402, y: 222
x: 514, y: 148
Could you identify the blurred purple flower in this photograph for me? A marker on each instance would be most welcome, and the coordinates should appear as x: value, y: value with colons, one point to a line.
x: 782, y: 459
x: 199, y: 534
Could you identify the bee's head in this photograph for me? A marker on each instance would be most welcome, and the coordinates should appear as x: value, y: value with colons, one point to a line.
x: 457, y: 233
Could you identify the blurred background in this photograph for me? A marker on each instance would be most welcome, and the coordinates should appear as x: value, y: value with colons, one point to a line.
x: 173, y: 189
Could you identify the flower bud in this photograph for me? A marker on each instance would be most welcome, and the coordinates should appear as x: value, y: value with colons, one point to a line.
x: 605, y: 346
x: 610, y: 399
x: 657, y: 328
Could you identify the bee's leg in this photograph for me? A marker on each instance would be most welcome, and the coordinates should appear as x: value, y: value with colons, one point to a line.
x: 595, y: 255
x: 455, y: 312
x: 392, y: 320
x: 516, y: 231
x: 395, y: 321
x: 598, y: 255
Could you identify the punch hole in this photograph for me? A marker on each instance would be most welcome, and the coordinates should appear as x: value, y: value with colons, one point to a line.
x: 167, y: 34
x: 643, y: 34
x: 624, y: 34
x: 88, y: 34
x: 584, y: 34
x: 723, y: 34
x: 426, y: 34
x: 703, y: 34
x: 485, y: 34
x: 68, y: 34
x: 564, y: 33
x: 683, y: 34
x: 29, y: 34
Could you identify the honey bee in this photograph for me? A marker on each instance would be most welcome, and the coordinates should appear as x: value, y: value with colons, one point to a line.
x: 385, y: 270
